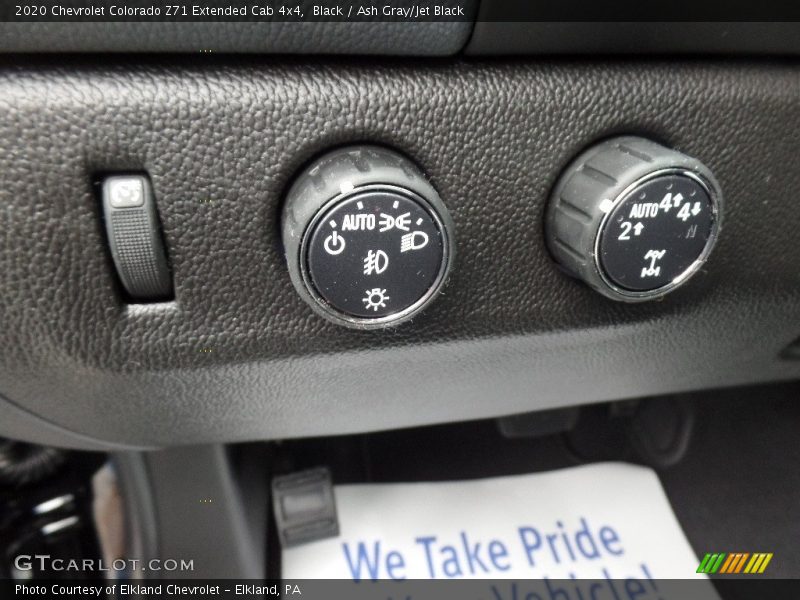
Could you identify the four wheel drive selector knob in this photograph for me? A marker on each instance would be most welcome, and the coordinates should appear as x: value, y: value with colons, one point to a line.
x: 368, y: 241
x: 633, y: 219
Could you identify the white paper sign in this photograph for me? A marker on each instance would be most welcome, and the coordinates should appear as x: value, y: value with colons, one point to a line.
x: 608, y: 521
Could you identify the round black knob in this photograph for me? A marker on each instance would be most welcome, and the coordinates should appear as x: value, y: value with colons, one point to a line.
x: 633, y: 219
x: 368, y: 241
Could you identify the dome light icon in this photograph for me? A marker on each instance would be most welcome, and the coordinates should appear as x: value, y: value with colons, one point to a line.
x: 376, y: 298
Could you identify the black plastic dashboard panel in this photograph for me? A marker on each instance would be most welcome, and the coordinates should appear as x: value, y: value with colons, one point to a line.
x: 380, y: 38
x: 496, y: 38
x: 486, y: 36
x: 239, y: 356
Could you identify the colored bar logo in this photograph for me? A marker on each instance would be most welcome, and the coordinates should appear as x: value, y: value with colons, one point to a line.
x: 734, y: 563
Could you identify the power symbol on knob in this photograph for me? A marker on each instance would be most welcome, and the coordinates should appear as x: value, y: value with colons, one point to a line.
x: 334, y: 244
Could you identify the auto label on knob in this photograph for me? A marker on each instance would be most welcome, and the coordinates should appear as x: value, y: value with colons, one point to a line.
x: 654, y: 236
x: 375, y: 253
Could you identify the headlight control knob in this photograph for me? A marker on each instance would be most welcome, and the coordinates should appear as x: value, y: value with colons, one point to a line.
x: 633, y: 219
x: 368, y: 241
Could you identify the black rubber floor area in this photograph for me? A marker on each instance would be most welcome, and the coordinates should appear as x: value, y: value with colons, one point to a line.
x: 737, y: 489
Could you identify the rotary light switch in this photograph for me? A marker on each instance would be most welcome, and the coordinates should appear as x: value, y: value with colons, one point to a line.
x: 368, y: 240
x: 634, y: 219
